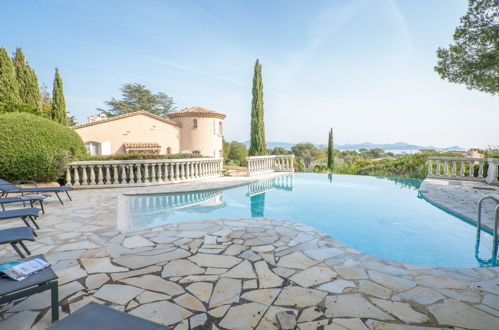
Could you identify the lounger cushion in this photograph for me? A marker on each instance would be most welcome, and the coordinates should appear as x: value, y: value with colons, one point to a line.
x: 14, y: 235
x: 27, y: 212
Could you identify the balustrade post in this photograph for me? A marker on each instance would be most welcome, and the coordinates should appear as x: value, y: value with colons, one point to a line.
x: 453, y: 168
x: 68, y: 176
x: 153, y: 172
x: 84, y: 179
x: 492, y: 172
x: 123, y: 175
x: 461, y: 172
x: 160, y: 172
x: 92, y: 174
x: 99, y: 175
x: 472, y: 170
x: 76, y: 176
x: 146, y: 173
x: 177, y: 173
x: 108, y: 175
x: 480, y: 170
x: 139, y: 173
x: 430, y: 167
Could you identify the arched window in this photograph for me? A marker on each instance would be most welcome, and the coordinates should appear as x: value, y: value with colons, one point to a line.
x: 220, y: 128
x: 168, y: 151
x: 195, y: 123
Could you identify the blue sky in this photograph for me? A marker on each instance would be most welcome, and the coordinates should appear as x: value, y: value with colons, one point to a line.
x: 363, y: 67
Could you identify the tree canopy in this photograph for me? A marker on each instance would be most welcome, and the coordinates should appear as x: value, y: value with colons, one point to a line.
x: 473, y: 59
x: 9, y: 87
x: 306, y: 151
x: 29, y: 92
x: 58, y: 110
x: 137, y: 97
x: 257, y: 143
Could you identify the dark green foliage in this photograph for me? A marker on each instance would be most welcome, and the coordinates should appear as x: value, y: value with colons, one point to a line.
x: 238, y: 153
x: 29, y: 91
x: 46, y: 100
x: 279, y: 151
x: 58, y: 111
x: 307, y: 152
x: 226, y: 149
x: 404, y: 166
x: 257, y: 144
x: 330, y: 154
x: 35, y: 148
x: 137, y: 97
x: 9, y: 88
x: 140, y: 156
x: 18, y: 107
x: 473, y: 59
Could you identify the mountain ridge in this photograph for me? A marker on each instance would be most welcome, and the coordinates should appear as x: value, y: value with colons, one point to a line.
x: 365, y: 145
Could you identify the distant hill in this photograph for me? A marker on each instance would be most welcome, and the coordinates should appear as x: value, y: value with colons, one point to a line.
x: 365, y: 145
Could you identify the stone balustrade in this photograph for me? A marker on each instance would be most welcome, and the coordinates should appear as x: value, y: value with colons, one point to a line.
x: 268, y: 164
x: 83, y: 174
x: 461, y: 168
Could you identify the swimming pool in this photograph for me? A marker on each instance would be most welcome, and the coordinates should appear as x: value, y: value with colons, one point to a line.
x: 382, y: 217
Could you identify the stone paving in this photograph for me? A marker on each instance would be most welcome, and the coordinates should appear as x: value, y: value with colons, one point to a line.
x: 240, y: 274
x: 461, y: 197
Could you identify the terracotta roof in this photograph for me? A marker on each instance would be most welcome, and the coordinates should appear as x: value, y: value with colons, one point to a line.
x: 197, y: 112
x: 131, y: 114
x: 142, y: 145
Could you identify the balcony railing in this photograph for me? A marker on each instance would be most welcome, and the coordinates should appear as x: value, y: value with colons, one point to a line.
x: 141, y: 172
x: 268, y: 164
x: 461, y: 168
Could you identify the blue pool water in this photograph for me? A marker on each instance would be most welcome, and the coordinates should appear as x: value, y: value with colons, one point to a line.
x: 382, y: 217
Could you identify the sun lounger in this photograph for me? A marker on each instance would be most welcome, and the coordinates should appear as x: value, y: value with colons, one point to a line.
x: 30, y: 198
x: 94, y: 316
x: 17, y: 235
x: 9, y: 188
x: 46, y: 279
x: 23, y: 214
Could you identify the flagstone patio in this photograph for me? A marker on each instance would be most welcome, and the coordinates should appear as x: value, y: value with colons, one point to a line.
x: 239, y: 274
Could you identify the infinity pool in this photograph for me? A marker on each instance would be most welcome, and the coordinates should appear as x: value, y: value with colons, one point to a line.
x: 383, y: 217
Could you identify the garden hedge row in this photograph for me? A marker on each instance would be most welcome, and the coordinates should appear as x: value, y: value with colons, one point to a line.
x: 36, y: 148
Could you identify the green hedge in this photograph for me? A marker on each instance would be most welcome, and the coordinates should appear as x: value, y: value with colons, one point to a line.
x: 140, y: 156
x: 18, y: 107
x: 36, y: 148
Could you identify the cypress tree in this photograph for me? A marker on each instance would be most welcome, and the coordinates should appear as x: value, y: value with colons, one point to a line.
x: 9, y: 88
x: 58, y: 112
x: 257, y: 145
x: 29, y: 91
x: 330, y: 154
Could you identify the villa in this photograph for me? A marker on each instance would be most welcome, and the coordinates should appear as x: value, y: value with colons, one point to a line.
x: 194, y: 130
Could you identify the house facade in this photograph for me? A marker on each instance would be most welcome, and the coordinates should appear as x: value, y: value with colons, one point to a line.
x: 193, y: 130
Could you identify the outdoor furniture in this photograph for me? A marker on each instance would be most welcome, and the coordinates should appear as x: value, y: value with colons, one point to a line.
x: 24, y: 214
x: 30, y: 198
x: 9, y: 188
x: 94, y: 316
x: 46, y: 279
x: 17, y: 235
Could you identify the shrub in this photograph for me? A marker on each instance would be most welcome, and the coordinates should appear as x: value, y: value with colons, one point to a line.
x: 18, y: 107
x: 35, y: 148
x: 140, y: 156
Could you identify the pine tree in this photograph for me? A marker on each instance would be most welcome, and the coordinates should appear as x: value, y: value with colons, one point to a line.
x: 9, y: 88
x: 58, y: 112
x: 29, y: 92
x: 257, y: 145
x: 330, y: 153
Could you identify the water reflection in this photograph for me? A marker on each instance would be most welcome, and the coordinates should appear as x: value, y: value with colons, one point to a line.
x: 492, y: 261
x: 203, y: 202
x: 405, y: 182
x: 191, y: 202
